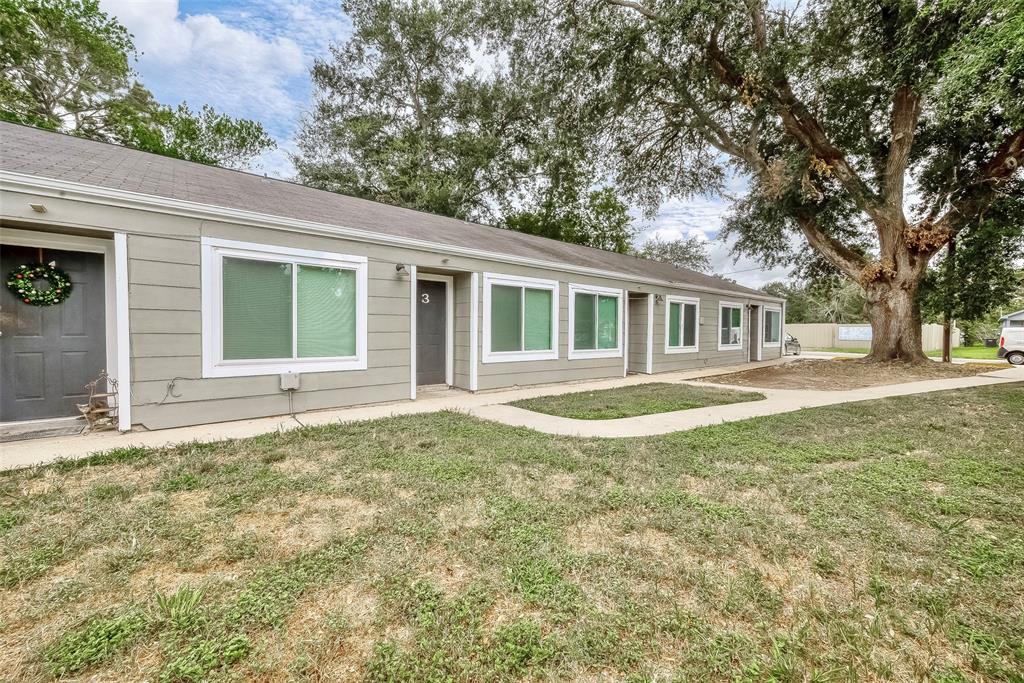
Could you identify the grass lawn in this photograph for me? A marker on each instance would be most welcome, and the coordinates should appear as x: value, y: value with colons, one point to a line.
x: 973, y: 352
x: 872, y: 541
x: 639, y: 399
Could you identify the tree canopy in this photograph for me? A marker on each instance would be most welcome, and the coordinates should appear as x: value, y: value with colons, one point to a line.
x: 414, y: 109
x: 67, y: 67
x: 871, y: 132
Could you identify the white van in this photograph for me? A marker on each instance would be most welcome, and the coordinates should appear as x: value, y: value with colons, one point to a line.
x: 1011, y: 345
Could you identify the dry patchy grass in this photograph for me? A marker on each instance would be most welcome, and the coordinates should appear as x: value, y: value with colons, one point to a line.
x: 875, y: 541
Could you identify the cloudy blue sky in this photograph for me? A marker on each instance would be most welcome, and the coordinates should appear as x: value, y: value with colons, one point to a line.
x: 251, y: 58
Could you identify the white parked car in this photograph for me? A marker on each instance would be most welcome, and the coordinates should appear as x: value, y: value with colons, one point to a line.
x: 1011, y: 345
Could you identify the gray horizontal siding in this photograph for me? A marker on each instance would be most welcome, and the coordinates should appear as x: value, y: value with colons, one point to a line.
x: 166, y: 334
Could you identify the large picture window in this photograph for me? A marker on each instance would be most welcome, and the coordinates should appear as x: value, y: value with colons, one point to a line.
x: 730, y: 325
x: 596, y: 317
x: 520, y: 318
x: 682, y: 323
x: 772, y: 327
x: 268, y: 310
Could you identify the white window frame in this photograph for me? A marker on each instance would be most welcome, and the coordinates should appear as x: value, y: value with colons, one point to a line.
x: 491, y: 279
x: 574, y: 353
x: 213, y: 252
x: 683, y: 300
x: 718, y: 325
x: 764, y: 340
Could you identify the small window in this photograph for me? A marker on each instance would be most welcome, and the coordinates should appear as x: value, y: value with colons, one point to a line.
x: 520, y: 318
x: 268, y: 310
x: 772, y: 327
x: 730, y: 325
x: 682, y: 324
x: 596, y: 327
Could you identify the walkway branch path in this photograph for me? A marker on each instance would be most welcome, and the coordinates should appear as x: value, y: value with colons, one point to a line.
x: 490, y: 406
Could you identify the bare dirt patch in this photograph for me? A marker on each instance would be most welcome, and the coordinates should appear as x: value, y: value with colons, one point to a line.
x: 844, y: 374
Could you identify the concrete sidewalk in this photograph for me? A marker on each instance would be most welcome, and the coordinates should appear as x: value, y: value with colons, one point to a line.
x: 488, y: 405
x: 15, y: 454
x: 776, y: 401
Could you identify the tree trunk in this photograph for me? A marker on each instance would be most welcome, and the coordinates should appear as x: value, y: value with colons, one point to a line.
x: 895, y: 320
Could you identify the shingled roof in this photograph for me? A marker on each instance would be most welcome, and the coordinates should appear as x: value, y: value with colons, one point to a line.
x: 45, y: 154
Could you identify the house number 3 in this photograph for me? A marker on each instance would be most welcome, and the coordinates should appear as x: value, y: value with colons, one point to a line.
x: 425, y: 298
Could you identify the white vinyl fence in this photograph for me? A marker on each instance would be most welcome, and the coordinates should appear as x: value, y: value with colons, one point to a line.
x: 831, y: 335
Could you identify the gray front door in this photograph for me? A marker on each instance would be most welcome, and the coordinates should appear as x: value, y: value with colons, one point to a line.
x: 49, y: 353
x: 431, y: 326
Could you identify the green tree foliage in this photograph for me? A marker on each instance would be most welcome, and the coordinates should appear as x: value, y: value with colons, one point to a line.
x: 986, y: 269
x: 416, y: 110
x: 685, y: 252
x: 829, y: 108
x: 66, y: 67
x: 829, y: 300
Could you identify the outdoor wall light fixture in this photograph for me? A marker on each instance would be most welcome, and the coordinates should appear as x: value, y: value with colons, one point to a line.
x: 659, y: 299
x: 38, y: 208
x: 400, y: 268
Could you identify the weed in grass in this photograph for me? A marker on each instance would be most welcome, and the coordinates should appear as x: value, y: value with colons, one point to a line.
x: 99, y: 638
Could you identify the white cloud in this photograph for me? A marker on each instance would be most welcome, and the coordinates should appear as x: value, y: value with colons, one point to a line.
x: 249, y: 60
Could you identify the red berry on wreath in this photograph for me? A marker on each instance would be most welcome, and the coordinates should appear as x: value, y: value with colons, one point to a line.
x: 28, y: 301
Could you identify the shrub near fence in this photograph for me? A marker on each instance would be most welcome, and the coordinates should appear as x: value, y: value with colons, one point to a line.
x: 830, y: 336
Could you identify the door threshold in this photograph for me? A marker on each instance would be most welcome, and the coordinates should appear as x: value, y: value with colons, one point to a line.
x: 41, y: 429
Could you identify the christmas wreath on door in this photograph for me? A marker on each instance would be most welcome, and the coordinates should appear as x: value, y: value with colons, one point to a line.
x: 22, y: 283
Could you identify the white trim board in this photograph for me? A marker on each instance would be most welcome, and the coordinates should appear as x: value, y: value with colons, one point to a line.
x: 650, y: 334
x: 449, y: 323
x: 474, y: 330
x: 115, y: 307
x: 124, y: 362
x: 213, y: 252
x: 412, y: 332
x: 62, y: 189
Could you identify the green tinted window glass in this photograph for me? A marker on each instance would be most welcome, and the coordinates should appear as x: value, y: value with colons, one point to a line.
x: 690, y: 325
x: 506, y: 318
x: 607, y: 322
x: 584, y: 323
x: 673, y: 324
x: 737, y: 317
x: 725, y: 326
x: 326, y: 312
x: 772, y: 326
x: 537, y: 334
x: 257, y: 311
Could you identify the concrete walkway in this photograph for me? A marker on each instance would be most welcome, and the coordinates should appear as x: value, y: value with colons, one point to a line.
x: 488, y: 405
x: 957, y: 361
x: 776, y: 401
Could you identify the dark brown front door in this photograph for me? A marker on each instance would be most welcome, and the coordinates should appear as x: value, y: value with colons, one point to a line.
x: 49, y: 353
x: 431, y: 328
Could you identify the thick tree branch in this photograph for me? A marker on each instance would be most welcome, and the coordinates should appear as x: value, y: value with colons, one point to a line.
x: 906, y: 109
x: 636, y: 7
x: 977, y: 195
x: 845, y: 259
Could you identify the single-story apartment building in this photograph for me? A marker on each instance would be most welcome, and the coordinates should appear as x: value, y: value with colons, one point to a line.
x: 211, y: 294
x: 1015, y: 319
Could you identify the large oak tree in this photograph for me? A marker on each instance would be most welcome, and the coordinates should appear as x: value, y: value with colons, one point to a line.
x: 872, y: 132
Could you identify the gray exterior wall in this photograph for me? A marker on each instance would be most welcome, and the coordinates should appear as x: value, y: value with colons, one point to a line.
x: 165, y: 319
